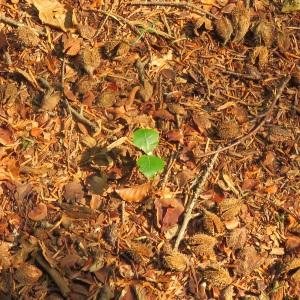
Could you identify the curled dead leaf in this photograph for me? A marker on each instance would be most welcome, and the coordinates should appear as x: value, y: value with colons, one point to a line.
x: 50, y: 100
x: 168, y: 212
x: 39, y: 212
x: 135, y: 193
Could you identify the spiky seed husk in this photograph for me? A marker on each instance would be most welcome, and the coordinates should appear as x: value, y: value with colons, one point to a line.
x: 241, y: 22
x: 90, y: 59
x: 176, y: 261
x: 261, y: 54
x: 224, y: 29
x: 212, y: 223
x: 283, y: 41
x: 203, y: 244
x: 264, y: 33
x: 229, y: 130
x: 27, y: 37
x: 229, y: 208
x: 217, y: 276
x: 28, y: 274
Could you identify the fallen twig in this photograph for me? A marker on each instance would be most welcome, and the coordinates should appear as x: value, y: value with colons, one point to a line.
x: 182, y: 4
x: 255, y: 128
x: 201, y: 180
x: 12, y: 22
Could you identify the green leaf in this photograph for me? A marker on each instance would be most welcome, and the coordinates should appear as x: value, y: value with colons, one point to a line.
x: 146, y: 139
x: 150, y: 165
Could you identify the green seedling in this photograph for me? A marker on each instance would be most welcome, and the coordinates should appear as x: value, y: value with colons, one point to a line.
x: 147, y: 140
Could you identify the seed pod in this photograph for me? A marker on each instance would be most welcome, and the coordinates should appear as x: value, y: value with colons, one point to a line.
x: 241, y: 22
x: 26, y: 37
x: 176, y: 261
x: 224, y: 29
x: 229, y: 130
x: 264, y: 33
x: 90, y: 59
x: 283, y: 41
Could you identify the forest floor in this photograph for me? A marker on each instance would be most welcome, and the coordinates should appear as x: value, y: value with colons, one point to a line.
x: 218, y: 80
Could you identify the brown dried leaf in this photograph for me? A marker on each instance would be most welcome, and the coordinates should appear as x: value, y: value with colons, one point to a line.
x: 50, y: 100
x: 28, y: 274
x: 73, y: 191
x: 202, y: 122
x: 97, y: 183
x: 174, y: 136
x: 176, y: 261
x: 203, y: 244
x: 146, y: 90
x: 6, y: 136
x: 241, y: 22
x: 39, y: 213
x: 135, y: 193
x: 212, y: 223
x: 292, y: 243
x: 5, y: 256
x: 168, y: 212
x: 53, y: 13
x: 216, y: 275
x: 229, y: 208
x: 248, y: 261
x: 224, y: 29
x: 71, y: 46
x: 163, y: 115
x: 22, y: 192
x: 237, y: 238
x: 177, y: 109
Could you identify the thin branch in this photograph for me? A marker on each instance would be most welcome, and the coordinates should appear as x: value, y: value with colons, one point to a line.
x: 201, y: 180
x: 255, y: 128
x: 181, y: 4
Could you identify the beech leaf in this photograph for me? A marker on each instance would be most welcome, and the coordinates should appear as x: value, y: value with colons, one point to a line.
x: 150, y: 165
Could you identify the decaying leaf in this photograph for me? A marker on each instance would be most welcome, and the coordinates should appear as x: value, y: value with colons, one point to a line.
x: 224, y: 29
x: 97, y: 183
x: 73, y: 191
x: 6, y: 136
x: 71, y: 45
x: 202, y: 122
x: 203, y: 244
x: 146, y: 90
x: 39, y: 212
x: 290, y: 6
x: 237, y: 238
x: 176, y: 261
x: 50, y: 100
x: 135, y: 193
x: 217, y: 275
x: 229, y: 208
x: 212, y: 223
x: 248, y: 261
x: 53, y: 13
x: 241, y: 22
x: 28, y: 274
x: 168, y: 212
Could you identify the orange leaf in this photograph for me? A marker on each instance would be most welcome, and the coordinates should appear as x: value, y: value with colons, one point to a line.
x: 136, y: 193
x: 39, y: 212
x: 36, y: 132
x: 5, y: 136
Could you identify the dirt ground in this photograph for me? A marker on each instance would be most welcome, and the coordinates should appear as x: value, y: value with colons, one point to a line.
x: 219, y: 80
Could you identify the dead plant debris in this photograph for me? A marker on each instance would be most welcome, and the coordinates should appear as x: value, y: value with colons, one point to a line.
x: 218, y: 80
